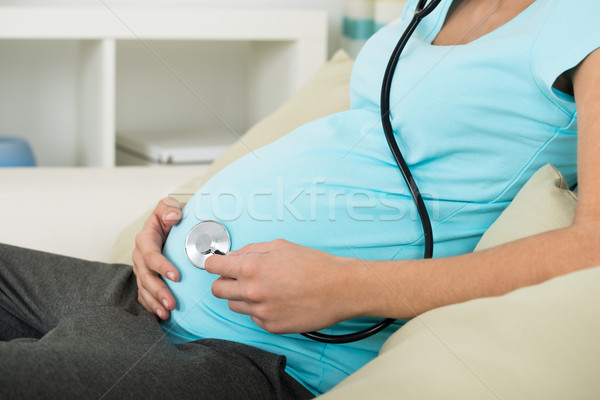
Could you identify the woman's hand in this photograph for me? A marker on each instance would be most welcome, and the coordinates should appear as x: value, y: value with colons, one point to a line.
x: 149, y: 263
x: 285, y: 287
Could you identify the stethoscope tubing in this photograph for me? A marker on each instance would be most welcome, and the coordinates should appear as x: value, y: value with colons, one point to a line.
x: 421, y: 12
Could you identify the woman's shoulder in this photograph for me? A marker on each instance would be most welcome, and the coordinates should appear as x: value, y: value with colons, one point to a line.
x: 568, y: 34
x: 568, y: 23
x: 573, y: 11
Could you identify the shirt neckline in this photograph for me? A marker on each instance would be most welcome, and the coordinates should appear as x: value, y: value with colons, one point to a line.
x: 443, y: 14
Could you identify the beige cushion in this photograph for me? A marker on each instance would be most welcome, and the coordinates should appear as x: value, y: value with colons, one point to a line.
x: 326, y: 93
x: 538, y: 342
x: 543, y: 204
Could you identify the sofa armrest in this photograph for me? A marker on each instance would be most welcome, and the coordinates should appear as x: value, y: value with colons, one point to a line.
x: 80, y: 212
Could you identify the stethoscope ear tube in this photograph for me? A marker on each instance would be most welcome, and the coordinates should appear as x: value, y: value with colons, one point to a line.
x: 421, y: 12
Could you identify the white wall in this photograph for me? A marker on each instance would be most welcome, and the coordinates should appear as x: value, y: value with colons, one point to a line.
x: 37, y: 102
x: 39, y: 93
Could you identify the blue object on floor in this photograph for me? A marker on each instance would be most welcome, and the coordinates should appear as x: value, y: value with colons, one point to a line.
x: 15, y: 152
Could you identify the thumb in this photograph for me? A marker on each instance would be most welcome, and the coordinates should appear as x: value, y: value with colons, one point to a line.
x: 172, y: 218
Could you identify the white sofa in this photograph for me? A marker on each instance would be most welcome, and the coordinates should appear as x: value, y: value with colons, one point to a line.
x: 80, y: 212
x: 539, y: 342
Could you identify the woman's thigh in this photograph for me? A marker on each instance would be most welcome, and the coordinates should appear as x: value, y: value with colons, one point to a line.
x: 37, y: 288
x: 110, y: 353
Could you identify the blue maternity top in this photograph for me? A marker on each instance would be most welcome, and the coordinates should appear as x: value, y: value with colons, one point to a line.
x: 474, y: 121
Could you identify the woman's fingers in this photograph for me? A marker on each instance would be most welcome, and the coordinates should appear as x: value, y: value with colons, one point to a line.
x: 228, y: 288
x: 257, y: 248
x: 169, y: 210
x: 149, y: 263
x: 148, y: 279
x: 235, y: 262
x: 283, y: 286
x: 151, y: 258
x: 152, y: 305
x: 222, y: 265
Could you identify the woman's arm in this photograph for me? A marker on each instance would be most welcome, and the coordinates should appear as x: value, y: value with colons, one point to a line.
x: 289, y: 288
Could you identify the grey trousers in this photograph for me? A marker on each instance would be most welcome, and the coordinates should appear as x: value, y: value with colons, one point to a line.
x: 72, y: 329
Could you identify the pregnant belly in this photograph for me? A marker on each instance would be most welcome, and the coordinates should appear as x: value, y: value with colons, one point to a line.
x: 303, y: 188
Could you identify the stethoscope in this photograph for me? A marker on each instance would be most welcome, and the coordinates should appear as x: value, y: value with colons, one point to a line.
x: 211, y: 237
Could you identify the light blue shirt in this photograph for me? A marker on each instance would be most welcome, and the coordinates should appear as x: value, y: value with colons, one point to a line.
x: 474, y: 122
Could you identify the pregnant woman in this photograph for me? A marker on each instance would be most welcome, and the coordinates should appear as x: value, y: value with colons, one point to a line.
x: 323, y: 230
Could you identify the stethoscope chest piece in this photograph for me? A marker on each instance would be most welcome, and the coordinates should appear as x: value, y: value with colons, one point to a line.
x: 205, y: 239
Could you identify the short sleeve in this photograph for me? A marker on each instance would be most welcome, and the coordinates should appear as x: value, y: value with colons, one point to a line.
x: 569, y: 34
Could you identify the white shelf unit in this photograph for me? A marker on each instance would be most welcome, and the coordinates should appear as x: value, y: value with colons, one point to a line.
x: 72, y: 78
